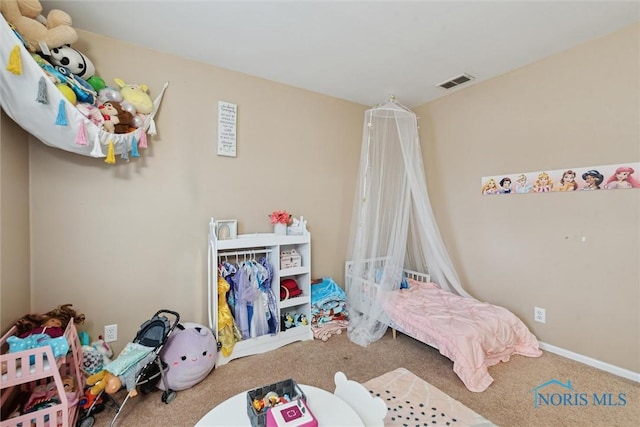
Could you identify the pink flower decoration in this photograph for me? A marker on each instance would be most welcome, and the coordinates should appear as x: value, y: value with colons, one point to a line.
x: 282, y: 217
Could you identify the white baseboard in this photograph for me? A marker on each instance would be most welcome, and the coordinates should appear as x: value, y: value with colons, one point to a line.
x: 615, y: 370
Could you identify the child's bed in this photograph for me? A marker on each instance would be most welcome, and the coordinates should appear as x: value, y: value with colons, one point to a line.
x: 473, y: 334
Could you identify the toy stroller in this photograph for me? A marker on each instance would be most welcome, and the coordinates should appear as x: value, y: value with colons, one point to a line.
x: 138, y: 366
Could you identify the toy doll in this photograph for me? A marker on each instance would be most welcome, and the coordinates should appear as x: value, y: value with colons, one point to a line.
x: 52, y: 323
x: 34, y: 330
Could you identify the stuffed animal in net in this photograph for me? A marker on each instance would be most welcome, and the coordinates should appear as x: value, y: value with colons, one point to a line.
x: 25, y: 16
x: 78, y: 64
x: 136, y: 95
x: 74, y: 60
x: 191, y: 352
x: 116, y: 119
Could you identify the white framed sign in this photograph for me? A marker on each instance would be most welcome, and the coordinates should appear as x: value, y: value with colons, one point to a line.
x: 227, y: 229
x: 227, y: 119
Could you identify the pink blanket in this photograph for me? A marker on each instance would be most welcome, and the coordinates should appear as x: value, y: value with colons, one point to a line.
x: 473, y: 334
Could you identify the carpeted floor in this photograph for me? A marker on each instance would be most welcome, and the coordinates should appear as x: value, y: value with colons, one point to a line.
x: 509, y: 401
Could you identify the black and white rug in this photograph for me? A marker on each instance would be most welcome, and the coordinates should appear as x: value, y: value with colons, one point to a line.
x: 413, y: 402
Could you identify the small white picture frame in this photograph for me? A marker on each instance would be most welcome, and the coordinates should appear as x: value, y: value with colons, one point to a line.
x: 227, y: 229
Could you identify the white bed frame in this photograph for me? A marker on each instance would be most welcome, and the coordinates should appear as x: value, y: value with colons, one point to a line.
x: 376, y: 263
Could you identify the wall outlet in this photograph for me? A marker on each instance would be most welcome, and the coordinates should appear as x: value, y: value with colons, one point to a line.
x: 539, y: 314
x: 111, y: 333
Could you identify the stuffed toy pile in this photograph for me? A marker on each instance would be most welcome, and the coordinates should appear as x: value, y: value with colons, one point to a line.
x: 120, y: 109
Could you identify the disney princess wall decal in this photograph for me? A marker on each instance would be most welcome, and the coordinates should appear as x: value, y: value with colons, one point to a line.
x: 593, y: 179
x: 543, y: 183
x: 567, y: 182
x: 609, y: 177
x: 490, y: 187
x: 505, y: 185
x: 522, y: 186
x: 622, y: 178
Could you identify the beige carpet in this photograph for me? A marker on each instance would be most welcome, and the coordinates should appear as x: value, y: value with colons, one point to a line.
x: 509, y: 401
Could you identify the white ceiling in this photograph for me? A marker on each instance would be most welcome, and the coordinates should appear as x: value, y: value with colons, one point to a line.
x: 360, y: 51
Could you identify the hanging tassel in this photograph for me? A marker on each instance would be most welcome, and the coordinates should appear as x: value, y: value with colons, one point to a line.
x: 152, y: 127
x: 81, y: 138
x: 125, y: 150
x: 43, y: 96
x: 134, y: 147
x: 15, y: 63
x: 111, y: 156
x: 97, y: 149
x: 143, y: 140
x: 61, y: 120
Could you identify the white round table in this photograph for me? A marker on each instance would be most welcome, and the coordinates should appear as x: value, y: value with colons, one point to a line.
x: 329, y: 410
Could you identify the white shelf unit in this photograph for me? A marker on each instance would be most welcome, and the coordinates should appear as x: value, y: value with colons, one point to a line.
x: 270, y: 245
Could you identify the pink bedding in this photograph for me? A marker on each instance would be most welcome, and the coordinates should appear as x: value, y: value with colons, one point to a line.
x: 473, y: 334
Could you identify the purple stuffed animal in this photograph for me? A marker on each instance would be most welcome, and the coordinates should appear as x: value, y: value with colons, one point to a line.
x: 191, y: 353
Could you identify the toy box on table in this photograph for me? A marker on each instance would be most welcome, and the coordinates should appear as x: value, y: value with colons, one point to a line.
x: 284, y: 397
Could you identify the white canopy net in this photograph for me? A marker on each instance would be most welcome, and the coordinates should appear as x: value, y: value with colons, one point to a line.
x: 392, y: 221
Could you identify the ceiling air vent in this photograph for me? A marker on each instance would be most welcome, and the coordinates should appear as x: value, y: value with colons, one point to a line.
x: 456, y: 81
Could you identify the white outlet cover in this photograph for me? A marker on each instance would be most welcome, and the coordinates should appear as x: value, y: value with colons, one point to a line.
x: 111, y: 333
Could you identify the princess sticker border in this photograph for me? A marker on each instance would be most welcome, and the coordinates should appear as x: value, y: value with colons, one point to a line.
x: 608, y: 177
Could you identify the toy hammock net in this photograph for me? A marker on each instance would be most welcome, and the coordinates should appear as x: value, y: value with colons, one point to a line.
x: 35, y: 103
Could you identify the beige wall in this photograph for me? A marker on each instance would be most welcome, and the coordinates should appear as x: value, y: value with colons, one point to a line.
x: 578, y: 108
x: 121, y: 242
x: 15, y: 279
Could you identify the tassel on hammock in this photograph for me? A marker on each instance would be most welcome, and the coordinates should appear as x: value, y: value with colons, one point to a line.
x: 43, y: 96
x: 81, y: 138
x: 111, y: 155
x: 143, y: 140
x: 134, y: 147
x: 97, y: 149
x: 15, y: 63
x: 125, y: 150
x: 61, y: 120
x: 152, y: 127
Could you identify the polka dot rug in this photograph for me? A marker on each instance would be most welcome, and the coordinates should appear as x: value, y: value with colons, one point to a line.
x: 413, y: 402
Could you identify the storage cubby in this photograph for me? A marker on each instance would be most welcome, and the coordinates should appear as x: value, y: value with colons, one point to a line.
x: 272, y: 247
